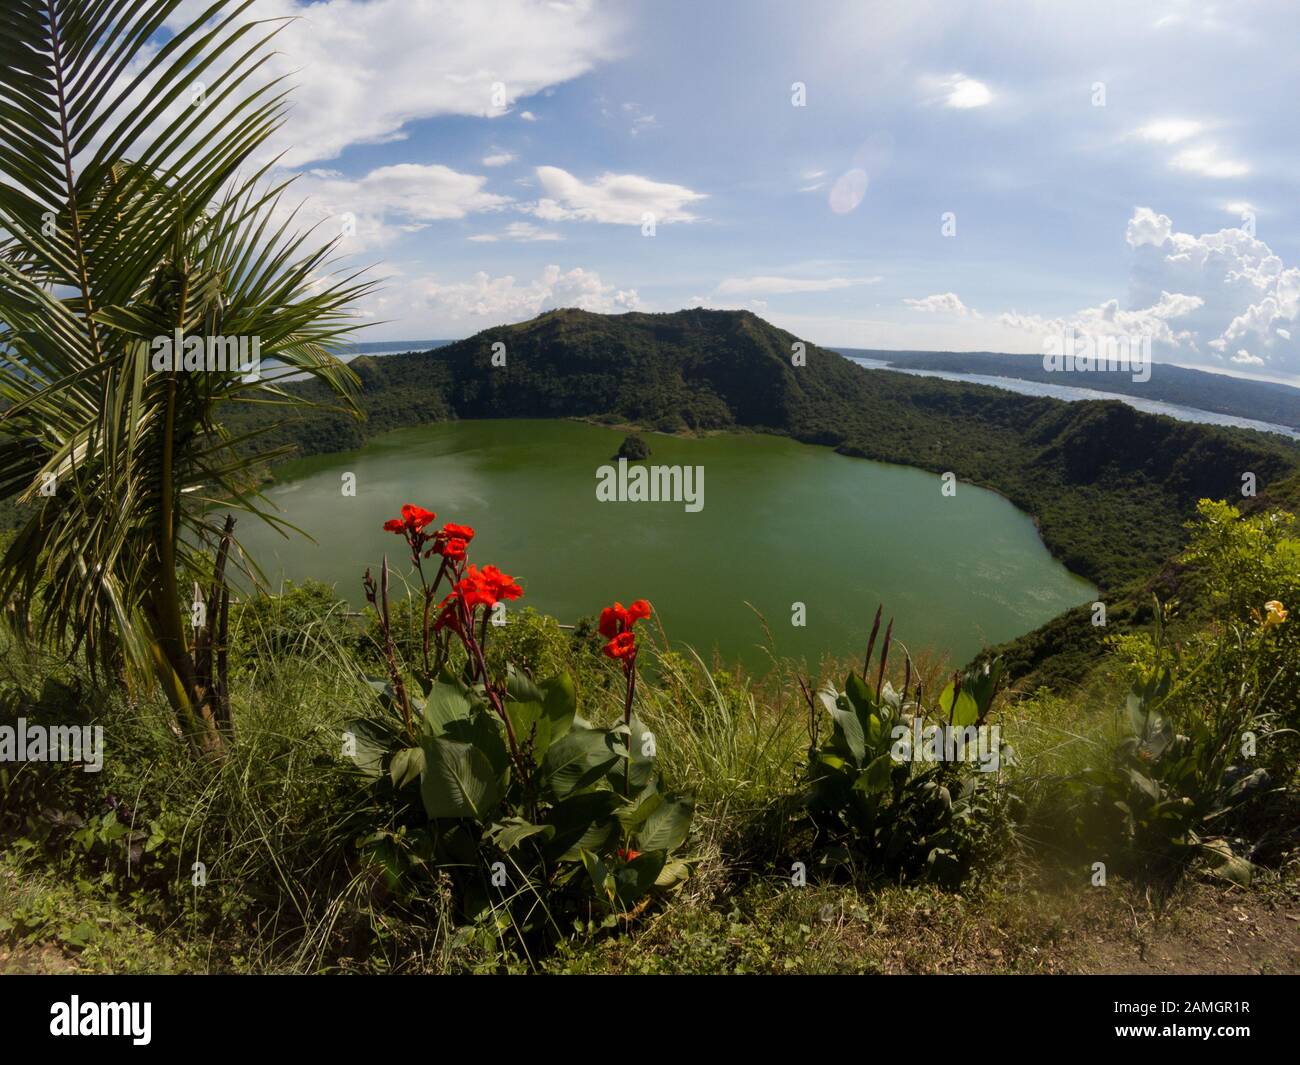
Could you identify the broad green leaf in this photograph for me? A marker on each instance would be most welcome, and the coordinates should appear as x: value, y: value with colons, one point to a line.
x: 633, y: 879
x: 444, y: 705
x: 458, y: 780
x: 859, y: 694
x: 848, y: 733
x: 673, y: 873
x: 530, y: 724
x: 601, y: 878
x: 513, y: 831
x: 560, y: 699
x: 406, y: 765
x: 366, y: 743
x: 576, y: 760
x: 667, y: 826
x: 584, y: 821
x: 966, y: 711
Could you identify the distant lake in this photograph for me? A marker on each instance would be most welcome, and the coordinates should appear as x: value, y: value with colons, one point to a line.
x: 1073, y: 394
x: 782, y: 522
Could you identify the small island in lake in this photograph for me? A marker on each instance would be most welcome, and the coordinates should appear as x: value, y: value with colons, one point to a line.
x: 633, y: 448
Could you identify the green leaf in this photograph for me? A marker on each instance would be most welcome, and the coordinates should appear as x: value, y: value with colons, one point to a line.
x: 637, y: 739
x: 966, y: 712
x: 406, y: 766
x: 673, y: 873
x: 584, y: 821
x: 530, y: 722
x: 667, y: 826
x: 601, y: 878
x: 859, y: 694
x: 513, y: 831
x: 458, y: 780
x: 560, y: 700
x: 635, y: 878
x: 444, y: 705
x: 576, y: 761
x: 370, y: 742
x: 848, y: 734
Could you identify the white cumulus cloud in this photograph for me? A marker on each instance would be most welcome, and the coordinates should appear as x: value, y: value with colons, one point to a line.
x: 364, y: 69
x: 618, y: 199
x: 942, y: 303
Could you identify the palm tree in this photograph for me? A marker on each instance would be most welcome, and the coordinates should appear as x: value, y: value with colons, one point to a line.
x: 125, y: 217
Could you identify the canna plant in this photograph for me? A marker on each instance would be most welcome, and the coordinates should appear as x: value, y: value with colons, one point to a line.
x: 872, y: 799
x: 124, y: 219
x: 496, y: 779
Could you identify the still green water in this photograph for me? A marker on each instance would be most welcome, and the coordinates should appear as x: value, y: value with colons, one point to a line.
x: 782, y: 523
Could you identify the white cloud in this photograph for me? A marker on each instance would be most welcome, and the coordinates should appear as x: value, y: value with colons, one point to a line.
x: 520, y: 232
x: 1109, y: 320
x: 1147, y: 227
x: 959, y: 91
x: 942, y: 303
x: 528, y: 116
x: 364, y: 69
x: 389, y: 201
x: 772, y: 286
x: 484, y: 300
x: 1206, y: 160
x: 1171, y: 130
x: 618, y: 199
x: 499, y: 157
x: 1215, y: 298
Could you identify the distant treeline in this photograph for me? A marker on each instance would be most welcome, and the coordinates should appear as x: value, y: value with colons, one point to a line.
x: 1261, y: 401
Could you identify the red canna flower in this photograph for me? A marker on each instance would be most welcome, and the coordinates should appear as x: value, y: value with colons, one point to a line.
x: 638, y: 610
x: 502, y: 585
x: 628, y: 855
x: 452, y: 549
x: 417, y: 517
x: 453, y: 531
x: 394, y: 525
x: 473, y: 590
x: 613, y: 620
x: 622, y: 646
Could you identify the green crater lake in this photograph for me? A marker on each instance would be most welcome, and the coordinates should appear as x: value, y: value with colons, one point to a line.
x: 782, y: 523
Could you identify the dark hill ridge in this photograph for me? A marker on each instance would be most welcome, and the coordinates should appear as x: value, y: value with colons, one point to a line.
x: 1110, y: 486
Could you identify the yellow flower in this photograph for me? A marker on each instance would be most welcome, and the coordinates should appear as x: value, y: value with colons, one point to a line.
x: 1274, y: 613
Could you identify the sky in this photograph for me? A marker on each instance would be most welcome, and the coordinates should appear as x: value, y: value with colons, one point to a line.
x: 903, y: 175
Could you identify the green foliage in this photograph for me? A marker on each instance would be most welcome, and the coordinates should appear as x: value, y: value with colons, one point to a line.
x: 524, y: 845
x: 873, y: 798
x: 633, y: 448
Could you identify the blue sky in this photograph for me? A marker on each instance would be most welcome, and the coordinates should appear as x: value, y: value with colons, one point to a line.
x: 1112, y: 167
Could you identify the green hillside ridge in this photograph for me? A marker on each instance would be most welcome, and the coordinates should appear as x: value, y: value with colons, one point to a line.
x: 1109, y: 486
